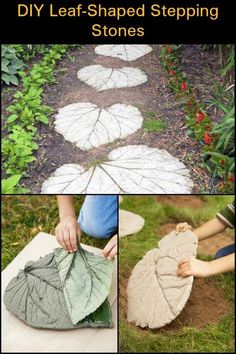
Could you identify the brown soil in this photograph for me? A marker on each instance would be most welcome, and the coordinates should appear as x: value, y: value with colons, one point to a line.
x: 153, y: 96
x: 181, y: 201
x: 206, y: 305
x: 206, y: 247
x: 166, y: 229
x: 211, y: 245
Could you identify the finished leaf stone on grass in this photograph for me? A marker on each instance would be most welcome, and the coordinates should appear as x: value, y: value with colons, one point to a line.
x: 129, y: 169
x: 62, y: 291
x: 156, y: 295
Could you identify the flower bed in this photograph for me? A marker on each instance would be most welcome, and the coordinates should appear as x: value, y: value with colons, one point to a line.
x: 216, y: 139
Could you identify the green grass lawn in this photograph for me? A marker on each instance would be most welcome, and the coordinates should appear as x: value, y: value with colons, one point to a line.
x: 212, y: 338
x: 24, y: 216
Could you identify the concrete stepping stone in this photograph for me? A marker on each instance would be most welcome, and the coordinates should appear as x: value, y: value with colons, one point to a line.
x: 129, y: 223
x: 18, y: 337
x: 156, y: 295
x: 131, y: 169
x: 89, y: 126
x: 125, y: 52
x: 102, y: 78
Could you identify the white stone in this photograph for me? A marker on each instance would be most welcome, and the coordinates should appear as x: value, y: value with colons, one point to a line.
x: 129, y: 223
x: 155, y: 294
x: 125, y: 52
x: 136, y: 169
x: 88, y: 126
x: 18, y: 337
x: 102, y: 78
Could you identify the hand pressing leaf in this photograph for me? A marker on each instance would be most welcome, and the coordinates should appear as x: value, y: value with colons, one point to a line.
x: 86, y: 280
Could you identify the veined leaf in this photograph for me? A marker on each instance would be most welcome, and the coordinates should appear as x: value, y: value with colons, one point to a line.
x: 86, y: 280
x: 36, y: 296
x: 89, y: 126
x: 102, y: 78
x: 131, y: 169
x: 125, y: 52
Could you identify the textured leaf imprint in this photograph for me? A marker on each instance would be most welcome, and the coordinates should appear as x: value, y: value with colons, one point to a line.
x: 123, y: 51
x: 131, y: 169
x: 156, y: 295
x: 36, y: 294
x: 89, y: 126
x: 102, y: 78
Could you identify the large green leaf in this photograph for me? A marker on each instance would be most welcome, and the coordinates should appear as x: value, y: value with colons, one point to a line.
x: 36, y: 296
x: 86, y: 280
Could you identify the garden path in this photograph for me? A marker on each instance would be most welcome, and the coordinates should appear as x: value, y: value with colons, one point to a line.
x: 107, y: 159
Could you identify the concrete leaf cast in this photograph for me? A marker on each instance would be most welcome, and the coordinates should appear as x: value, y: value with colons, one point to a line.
x: 102, y: 78
x: 130, y: 169
x: 129, y: 223
x: 89, y: 126
x: 126, y: 52
x: 156, y: 295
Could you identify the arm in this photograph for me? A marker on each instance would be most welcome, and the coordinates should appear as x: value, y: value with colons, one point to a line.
x: 199, y: 268
x: 210, y: 228
x: 68, y: 228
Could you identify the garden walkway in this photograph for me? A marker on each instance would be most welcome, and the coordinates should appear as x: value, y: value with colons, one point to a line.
x: 98, y: 142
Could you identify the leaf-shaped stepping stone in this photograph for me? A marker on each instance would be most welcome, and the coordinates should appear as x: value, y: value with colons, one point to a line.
x: 123, y: 51
x: 86, y: 280
x: 102, y: 78
x: 129, y: 223
x: 132, y: 169
x: 156, y: 295
x: 89, y: 126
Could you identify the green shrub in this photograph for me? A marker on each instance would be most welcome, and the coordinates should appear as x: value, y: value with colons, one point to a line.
x: 10, y: 66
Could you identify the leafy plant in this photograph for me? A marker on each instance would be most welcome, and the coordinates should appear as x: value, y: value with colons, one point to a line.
x: 27, y: 110
x: 10, y: 66
x: 95, y: 287
x: 154, y: 125
x: 10, y: 185
x: 18, y: 150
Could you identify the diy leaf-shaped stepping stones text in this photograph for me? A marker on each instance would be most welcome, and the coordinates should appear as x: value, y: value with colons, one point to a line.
x: 102, y: 78
x: 156, y: 295
x: 125, y: 52
x: 89, y: 126
x: 129, y: 169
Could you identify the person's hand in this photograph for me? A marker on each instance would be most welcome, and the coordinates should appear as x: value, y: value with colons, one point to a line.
x: 110, y: 250
x: 193, y: 267
x: 66, y: 233
x: 182, y: 227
